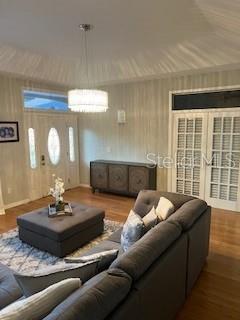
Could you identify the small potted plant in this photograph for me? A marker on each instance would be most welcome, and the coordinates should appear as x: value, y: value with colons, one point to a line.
x: 57, y: 192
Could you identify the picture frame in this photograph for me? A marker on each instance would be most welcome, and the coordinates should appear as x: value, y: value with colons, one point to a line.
x: 9, y: 131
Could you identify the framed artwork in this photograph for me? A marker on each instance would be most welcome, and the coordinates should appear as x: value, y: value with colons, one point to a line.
x: 9, y: 131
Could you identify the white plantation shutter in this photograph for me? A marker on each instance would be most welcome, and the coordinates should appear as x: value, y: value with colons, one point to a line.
x: 214, y: 136
x: 222, y: 182
x: 226, y: 153
x: 189, y: 137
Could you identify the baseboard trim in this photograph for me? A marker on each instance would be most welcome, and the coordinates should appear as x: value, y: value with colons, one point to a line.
x: 85, y: 185
x: 16, y: 204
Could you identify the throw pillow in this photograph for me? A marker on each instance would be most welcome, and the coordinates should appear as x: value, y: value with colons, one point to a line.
x: 150, y: 220
x: 164, y: 208
x: 42, y: 303
x: 132, y: 230
x: 31, y: 283
x: 105, y: 258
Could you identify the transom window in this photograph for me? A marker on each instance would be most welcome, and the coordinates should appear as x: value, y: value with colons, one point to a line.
x: 71, y: 144
x: 39, y: 100
x: 32, y: 148
x: 54, y: 146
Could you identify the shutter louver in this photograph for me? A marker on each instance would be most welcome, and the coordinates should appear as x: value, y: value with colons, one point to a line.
x: 189, y: 146
x: 226, y: 155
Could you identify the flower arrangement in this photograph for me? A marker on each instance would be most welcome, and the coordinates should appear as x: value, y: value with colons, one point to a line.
x: 57, y: 192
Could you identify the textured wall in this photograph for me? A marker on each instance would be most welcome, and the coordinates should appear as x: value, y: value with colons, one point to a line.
x: 146, y: 104
x: 13, y: 169
x: 147, y: 107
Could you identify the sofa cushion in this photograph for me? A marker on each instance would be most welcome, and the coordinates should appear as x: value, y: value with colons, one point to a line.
x: 147, y: 250
x: 148, y: 198
x: 198, y: 250
x: 95, y: 299
x: 40, y: 304
x: 36, y: 281
x: 188, y: 213
x: 150, y: 220
x: 9, y: 289
x: 103, y: 246
x: 116, y: 236
x: 132, y: 230
x: 105, y: 258
x: 162, y: 288
x: 164, y: 208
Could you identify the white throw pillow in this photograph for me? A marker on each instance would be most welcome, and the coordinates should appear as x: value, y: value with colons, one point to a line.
x: 39, y: 305
x: 132, y: 230
x: 150, y: 219
x: 164, y: 208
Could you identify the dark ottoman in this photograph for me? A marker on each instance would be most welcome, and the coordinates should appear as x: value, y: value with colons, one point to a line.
x: 61, y: 235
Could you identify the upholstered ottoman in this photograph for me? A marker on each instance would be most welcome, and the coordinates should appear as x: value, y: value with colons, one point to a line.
x: 61, y: 235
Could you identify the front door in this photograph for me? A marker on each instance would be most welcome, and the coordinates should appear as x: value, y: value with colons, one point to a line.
x: 52, y: 151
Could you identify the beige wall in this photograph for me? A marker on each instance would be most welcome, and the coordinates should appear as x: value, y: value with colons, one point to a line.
x: 147, y: 107
x: 146, y: 104
x: 13, y: 171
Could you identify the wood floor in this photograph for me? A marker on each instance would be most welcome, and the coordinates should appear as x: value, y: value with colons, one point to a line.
x: 216, y: 295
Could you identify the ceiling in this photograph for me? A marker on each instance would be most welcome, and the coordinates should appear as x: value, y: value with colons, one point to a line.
x: 134, y: 39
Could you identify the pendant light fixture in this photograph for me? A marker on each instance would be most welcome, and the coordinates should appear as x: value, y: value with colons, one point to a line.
x: 87, y: 99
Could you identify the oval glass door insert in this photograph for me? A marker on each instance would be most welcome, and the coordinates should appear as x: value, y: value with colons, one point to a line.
x: 54, y: 146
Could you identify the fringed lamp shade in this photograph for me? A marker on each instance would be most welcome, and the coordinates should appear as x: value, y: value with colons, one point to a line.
x: 87, y: 100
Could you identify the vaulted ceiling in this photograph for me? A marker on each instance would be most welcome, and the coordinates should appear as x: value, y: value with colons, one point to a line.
x: 131, y: 39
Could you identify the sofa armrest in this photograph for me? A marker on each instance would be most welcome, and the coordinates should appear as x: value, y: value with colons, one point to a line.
x: 198, y: 248
x: 9, y: 289
x: 188, y: 213
x: 96, y: 299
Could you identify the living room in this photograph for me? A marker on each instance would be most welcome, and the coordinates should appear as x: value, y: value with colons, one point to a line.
x: 115, y: 116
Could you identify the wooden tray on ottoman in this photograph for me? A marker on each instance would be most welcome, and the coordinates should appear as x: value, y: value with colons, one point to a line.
x: 53, y: 212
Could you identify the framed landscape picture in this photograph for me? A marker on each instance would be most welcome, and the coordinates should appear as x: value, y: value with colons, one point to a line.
x: 9, y: 131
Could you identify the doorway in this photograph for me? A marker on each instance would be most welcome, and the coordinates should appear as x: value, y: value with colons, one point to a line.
x: 52, y: 149
x: 206, y: 147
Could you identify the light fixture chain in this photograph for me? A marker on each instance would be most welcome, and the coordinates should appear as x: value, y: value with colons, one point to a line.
x: 87, y: 100
x: 86, y: 55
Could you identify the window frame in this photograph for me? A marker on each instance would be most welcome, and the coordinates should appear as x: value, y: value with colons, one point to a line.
x: 71, y: 128
x: 43, y: 90
x: 29, y: 149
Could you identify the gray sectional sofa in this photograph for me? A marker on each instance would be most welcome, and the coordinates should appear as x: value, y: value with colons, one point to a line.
x: 149, y: 281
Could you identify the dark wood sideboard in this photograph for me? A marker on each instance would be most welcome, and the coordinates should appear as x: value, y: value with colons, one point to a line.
x: 120, y: 177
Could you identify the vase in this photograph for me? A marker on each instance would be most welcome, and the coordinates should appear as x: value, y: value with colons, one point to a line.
x: 60, y: 206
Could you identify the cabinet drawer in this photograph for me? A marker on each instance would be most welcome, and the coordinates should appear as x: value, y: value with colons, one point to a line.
x: 99, y: 175
x: 138, y: 179
x: 118, y: 178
